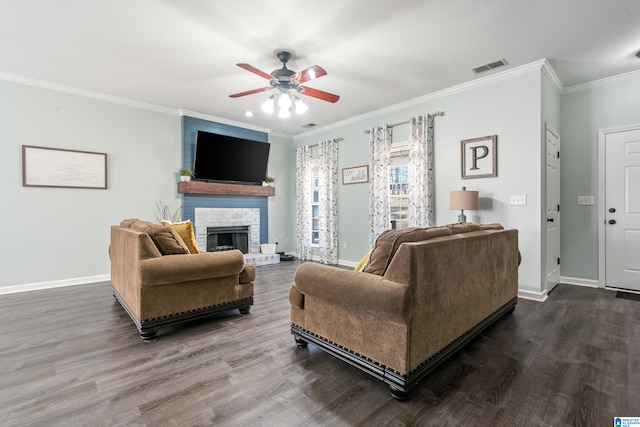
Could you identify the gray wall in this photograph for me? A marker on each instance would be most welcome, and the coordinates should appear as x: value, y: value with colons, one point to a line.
x: 509, y: 107
x: 62, y: 234
x: 282, y: 206
x: 584, y: 111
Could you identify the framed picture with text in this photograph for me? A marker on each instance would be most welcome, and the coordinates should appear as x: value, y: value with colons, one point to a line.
x: 355, y: 175
x: 58, y: 167
x: 479, y: 157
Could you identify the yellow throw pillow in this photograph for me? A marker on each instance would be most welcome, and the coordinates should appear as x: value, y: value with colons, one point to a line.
x: 185, y: 230
x: 362, y: 263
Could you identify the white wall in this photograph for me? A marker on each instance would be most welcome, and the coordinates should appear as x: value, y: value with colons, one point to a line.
x: 61, y: 235
x: 508, y: 106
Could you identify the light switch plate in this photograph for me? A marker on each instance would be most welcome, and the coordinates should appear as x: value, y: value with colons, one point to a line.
x: 585, y: 201
x: 518, y: 200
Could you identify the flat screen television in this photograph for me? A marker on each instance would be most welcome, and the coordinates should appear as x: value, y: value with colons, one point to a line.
x: 222, y: 158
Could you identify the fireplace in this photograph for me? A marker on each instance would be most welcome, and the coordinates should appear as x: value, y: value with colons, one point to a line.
x: 221, y: 218
x: 228, y: 238
x: 206, y: 218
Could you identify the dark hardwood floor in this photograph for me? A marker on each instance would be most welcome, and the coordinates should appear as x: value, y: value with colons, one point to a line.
x: 71, y: 356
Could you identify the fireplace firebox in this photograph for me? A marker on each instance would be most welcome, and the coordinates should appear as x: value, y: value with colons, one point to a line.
x: 228, y: 238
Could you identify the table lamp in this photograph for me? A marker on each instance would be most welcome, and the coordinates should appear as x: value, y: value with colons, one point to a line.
x: 463, y: 200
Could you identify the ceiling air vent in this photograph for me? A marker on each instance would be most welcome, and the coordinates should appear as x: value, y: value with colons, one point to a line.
x: 309, y: 125
x: 489, y: 66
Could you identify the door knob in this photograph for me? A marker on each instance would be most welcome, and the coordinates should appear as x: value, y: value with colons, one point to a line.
x: 549, y: 219
x: 612, y: 221
x: 612, y: 210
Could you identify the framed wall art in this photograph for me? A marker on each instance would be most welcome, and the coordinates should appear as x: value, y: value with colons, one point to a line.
x: 355, y: 175
x: 57, y: 167
x: 479, y: 157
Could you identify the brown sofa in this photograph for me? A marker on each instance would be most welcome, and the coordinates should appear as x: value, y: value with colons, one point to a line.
x: 159, y: 282
x: 424, y: 293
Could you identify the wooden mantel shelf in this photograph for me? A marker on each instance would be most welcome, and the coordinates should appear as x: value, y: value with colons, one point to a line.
x: 201, y: 187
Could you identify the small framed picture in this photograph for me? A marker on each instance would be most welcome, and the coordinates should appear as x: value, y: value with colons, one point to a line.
x: 479, y: 157
x: 355, y: 175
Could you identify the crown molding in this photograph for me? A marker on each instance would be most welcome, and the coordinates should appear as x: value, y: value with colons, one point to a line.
x: 223, y: 121
x: 283, y: 135
x: 87, y: 93
x: 602, y: 82
x: 504, y: 75
x: 548, y: 71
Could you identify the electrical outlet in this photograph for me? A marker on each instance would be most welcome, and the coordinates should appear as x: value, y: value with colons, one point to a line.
x: 585, y: 201
x: 518, y: 200
x: 344, y: 245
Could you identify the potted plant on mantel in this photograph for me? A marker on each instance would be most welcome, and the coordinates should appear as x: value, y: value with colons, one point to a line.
x: 185, y: 174
x: 268, y: 181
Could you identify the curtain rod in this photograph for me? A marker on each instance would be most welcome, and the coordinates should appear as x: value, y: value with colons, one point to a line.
x: 315, y: 145
x: 437, y: 113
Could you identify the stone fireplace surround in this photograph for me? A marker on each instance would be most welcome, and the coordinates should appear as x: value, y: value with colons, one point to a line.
x: 228, y: 217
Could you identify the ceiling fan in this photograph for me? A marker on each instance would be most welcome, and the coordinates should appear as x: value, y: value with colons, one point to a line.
x: 288, y: 82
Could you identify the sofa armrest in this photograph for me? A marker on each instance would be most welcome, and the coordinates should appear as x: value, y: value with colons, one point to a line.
x: 248, y: 274
x: 189, y: 267
x: 357, y: 290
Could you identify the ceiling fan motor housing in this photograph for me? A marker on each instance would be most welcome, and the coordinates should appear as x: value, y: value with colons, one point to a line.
x: 282, y: 76
x: 286, y: 80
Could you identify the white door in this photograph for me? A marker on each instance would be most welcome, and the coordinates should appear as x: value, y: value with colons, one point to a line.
x: 552, y: 260
x: 622, y: 209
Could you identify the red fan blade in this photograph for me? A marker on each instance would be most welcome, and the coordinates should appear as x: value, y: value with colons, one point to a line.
x: 310, y: 73
x: 320, y: 94
x: 254, y: 70
x: 250, y: 92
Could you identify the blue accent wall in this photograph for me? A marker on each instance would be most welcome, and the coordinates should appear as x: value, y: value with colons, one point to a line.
x: 190, y: 128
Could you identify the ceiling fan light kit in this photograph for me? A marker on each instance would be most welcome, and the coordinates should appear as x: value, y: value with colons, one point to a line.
x: 288, y: 84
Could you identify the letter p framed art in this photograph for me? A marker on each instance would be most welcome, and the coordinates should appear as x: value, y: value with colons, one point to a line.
x: 479, y: 157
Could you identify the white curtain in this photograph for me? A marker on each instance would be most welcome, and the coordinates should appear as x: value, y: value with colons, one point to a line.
x: 420, y: 190
x: 328, y: 201
x: 379, y: 154
x: 303, y: 202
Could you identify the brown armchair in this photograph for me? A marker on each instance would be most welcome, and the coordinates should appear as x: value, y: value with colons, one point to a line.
x: 157, y: 290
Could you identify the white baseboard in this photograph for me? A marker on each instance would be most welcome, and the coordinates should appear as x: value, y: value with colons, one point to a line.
x: 54, y: 284
x: 580, y: 282
x: 341, y: 262
x: 540, y: 296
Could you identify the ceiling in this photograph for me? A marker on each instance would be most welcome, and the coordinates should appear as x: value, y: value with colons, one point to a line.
x: 182, y: 54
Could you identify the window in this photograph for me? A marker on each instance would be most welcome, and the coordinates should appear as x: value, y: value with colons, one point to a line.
x: 399, y: 186
x: 315, y: 209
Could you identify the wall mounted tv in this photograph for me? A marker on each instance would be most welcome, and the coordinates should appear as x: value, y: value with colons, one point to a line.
x: 222, y: 158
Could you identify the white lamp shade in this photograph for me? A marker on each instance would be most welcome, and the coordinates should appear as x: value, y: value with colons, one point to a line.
x: 268, y: 105
x: 284, y: 102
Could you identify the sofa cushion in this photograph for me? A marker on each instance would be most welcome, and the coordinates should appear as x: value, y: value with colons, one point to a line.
x: 167, y: 241
x: 185, y: 230
x: 494, y: 226
x: 462, y: 227
x: 390, y: 240
x: 133, y: 223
